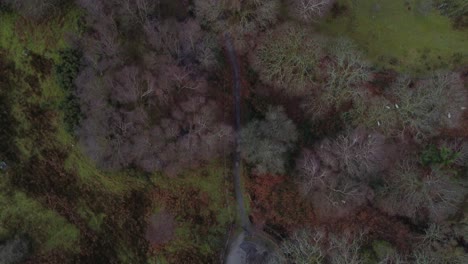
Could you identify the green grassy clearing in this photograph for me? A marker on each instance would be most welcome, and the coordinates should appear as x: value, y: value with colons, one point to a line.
x: 404, y: 35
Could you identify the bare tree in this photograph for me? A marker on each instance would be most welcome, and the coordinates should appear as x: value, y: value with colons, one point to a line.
x: 287, y: 58
x: 336, y: 174
x: 423, y: 107
x: 361, y: 153
x: 344, y: 75
x: 304, y: 246
x: 309, y: 10
x: 420, y: 195
x: 346, y: 248
x: 334, y: 194
x: 316, y: 247
x: 242, y: 17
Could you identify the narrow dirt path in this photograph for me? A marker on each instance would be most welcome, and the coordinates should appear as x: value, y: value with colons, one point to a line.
x: 248, y: 246
x: 232, y: 56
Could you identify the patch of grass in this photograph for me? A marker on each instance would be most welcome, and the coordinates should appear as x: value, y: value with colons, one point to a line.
x: 209, y: 180
x: 202, y: 210
x: 111, y: 183
x: 20, y: 37
x: 401, y: 35
x: 95, y: 220
x: 49, y: 231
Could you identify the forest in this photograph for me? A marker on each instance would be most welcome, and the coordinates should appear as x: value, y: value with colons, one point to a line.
x: 164, y: 131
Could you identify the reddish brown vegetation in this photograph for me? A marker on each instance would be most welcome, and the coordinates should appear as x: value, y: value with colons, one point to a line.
x: 47, y: 176
x: 54, y: 257
x: 191, y: 207
x: 160, y: 229
x: 377, y: 225
x: 275, y: 201
x: 188, y: 204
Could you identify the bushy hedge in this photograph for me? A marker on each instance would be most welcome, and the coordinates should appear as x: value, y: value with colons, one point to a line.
x: 66, y: 72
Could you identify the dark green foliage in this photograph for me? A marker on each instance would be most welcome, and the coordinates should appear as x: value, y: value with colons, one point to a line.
x: 433, y: 155
x: 7, y: 127
x: 68, y: 69
x: 4, y: 8
x: 66, y: 73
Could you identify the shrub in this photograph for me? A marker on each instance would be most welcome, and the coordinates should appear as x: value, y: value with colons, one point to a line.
x: 266, y: 142
x: 459, y: 148
x: 287, y: 58
x: 68, y: 68
x: 66, y: 72
x: 438, y: 156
